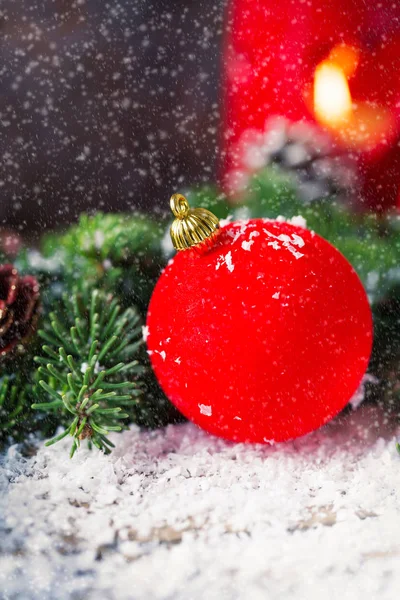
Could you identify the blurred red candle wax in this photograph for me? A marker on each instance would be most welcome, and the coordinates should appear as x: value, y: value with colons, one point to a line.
x: 332, y: 63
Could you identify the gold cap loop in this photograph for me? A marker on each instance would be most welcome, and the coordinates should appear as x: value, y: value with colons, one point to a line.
x: 192, y: 226
x: 179, y: 206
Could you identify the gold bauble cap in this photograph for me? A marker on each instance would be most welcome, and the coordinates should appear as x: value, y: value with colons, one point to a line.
x: 192, y: 226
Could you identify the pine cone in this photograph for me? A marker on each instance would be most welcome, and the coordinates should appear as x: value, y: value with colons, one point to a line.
x: 19, y: 308
x: 301, y: 150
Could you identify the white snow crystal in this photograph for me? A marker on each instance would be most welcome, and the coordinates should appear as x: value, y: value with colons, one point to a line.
x: 228, y: 261
x: 247, y: 245
x: 145, y: 332
x: 37, y: 261
x: 226, y: 221
x: 240, y: 228
x: 178, y: 360
x: 297, y: 240
x: 359, y: 395
x: 298, y: 221
x: 274, y: 245
x: 225, y: 260
x: 162, y: 353
x: 205, y: 410
x: 287, y: 242
x: 372, y: 280
x: 98, y: 239
x: 295, y: 253
x: 98, y: 367
x: 276, y: 295
x: 283, y: 237
x: 83, y: 155
x: 167, y: 246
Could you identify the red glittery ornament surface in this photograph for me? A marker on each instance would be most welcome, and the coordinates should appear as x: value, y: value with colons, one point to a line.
x: 262, y: 336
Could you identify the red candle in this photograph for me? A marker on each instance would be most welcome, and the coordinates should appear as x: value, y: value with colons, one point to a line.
x: 332, y: 63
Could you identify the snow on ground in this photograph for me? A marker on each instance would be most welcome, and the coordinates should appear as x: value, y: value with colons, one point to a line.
x: 177, y: 514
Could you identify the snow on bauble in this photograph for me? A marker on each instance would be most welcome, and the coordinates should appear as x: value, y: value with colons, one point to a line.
x: 262, y: 335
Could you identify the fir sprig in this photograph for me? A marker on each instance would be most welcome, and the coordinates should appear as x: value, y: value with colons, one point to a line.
x: 13, y: 403
x: 117, y: 252
x: 118, y: 238
x: 88, y: 371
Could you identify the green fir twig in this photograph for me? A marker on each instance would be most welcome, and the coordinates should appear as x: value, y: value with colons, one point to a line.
x: 13, y: 401
x: 118, y: 252
x: 88, y: 373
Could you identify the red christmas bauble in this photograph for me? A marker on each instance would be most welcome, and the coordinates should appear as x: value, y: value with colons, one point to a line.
x: 264, y: 335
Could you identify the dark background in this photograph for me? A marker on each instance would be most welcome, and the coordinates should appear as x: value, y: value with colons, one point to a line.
x: 105, y: 105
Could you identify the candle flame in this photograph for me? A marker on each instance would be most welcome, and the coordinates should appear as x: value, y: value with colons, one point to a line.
x: 362, y: 125
x: 332, y: 98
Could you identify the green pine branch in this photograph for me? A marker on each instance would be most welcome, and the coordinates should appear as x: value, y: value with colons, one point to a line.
x: 89, y: 375
x: 118, y: 238
x: 117, y: 252
x: 14, y: 392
